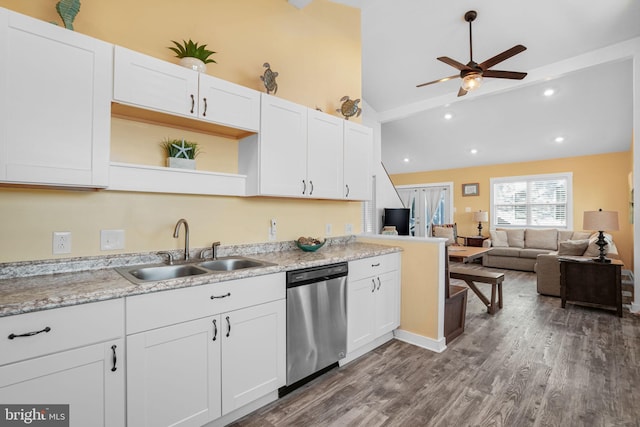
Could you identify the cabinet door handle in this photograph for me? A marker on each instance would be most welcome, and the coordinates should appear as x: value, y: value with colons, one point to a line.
x: 193, y: 103
x: 114, y: 358
x: 228, y: 294
x: 204, y: 113
x: 379, y: 284
x: 228, y: 326
x: 215, y: 330
x: 375, y: 265
x: 347, y: 195
x: 29, y: 334
x: 311, y: 183
x: 304, y: 187
x: 374, y: 285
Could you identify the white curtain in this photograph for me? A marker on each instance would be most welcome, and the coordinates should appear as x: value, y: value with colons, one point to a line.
x: 432, y: 199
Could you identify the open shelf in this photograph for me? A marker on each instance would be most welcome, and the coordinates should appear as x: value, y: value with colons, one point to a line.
x: 155, y: 179
x: 129, y: 112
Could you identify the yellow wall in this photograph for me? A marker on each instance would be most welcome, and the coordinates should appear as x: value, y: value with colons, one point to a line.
x: 420, y: 290
x: 316, y: 52
x: 599, y: 181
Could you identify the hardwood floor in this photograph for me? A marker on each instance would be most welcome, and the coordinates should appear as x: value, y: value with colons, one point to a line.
x: 531, y: 364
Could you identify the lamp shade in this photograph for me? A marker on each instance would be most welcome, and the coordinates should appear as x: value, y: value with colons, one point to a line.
x: 600, y: 220
x: 481, y: 216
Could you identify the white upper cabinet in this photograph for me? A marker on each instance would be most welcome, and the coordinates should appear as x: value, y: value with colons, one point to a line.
x: 55, y: 97
x: 229, y: 104
x: 148, y: 82
x: 358, y: 153
x: 281, y: 152
x: 151, y: 83
x: 324, y: 155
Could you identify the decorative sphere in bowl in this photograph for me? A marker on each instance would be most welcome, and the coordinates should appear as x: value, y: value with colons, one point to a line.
x: 309, y: 244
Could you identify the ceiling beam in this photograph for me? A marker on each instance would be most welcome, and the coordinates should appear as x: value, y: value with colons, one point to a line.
x: 299, y: 3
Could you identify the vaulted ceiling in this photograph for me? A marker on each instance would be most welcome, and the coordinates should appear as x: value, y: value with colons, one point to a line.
x: 569, y: 49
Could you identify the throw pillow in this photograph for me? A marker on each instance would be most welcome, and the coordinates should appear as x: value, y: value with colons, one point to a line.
x: 541, y: 239
x: 593, y: 250
x: 499, y: 239
x: 515, y: 236
x: 573, y: 247
x: 446, y: 232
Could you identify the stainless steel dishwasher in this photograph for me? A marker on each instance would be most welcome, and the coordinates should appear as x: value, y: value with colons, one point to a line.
x: 316, y: 322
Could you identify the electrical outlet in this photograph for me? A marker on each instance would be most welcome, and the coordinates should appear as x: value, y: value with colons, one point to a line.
x: 272, y: 229
x: 327, y: 230
x: 111, y: 240
x: 348, y: 229
x: 61, y: 242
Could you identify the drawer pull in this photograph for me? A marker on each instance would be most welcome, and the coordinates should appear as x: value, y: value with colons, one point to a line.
x: 347, y: 195
x: 304, y: 187
x: 29, y: 334
x: 375, y: 265
x: 115, y: 358
x: 228, y: 294
x: 228, y: 326
x: 193, y: 103
x: 311, y: 192
x: 374, y: 285
x: 379, y: 284
x: 204, y: 113
x: 215, y: 330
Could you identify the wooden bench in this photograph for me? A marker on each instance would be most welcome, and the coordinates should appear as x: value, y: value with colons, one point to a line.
x: 472, y: 276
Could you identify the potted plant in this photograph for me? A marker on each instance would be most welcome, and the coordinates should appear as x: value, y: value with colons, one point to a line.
x: 181, y: 153
x: 192, y: 56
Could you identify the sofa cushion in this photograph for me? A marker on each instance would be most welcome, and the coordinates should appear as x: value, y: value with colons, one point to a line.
x: 573, y: 247
x: 580, y: 235
x: 565, y: 235
x: 499, y: 239
x: 532, y: 253
x: 541, y: 239
x: 515, y: 236
x: 514, y: 252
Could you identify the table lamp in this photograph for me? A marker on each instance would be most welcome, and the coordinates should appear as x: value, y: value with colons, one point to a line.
x: 599, y: 221
x: 481, y: 217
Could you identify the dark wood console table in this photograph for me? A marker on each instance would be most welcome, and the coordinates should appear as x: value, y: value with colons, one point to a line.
x: 591, y: 283
x: 475, y: 241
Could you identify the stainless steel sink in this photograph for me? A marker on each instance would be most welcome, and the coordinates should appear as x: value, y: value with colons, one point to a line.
x: 156, y: 272
x: 231, y: 263
x: 164, y: 272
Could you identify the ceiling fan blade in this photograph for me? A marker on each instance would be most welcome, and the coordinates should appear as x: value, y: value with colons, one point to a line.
x: 504, y: 74
x: 453, y: 63
x: 462, y: 92
x: 502, y: 56
x: 438, y: 81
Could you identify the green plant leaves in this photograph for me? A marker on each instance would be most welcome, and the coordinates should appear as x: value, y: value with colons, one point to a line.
x: 68, y: 9
x: 191, y: 49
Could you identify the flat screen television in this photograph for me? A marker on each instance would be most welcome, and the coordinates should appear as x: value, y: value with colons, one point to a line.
x: 398, y: 217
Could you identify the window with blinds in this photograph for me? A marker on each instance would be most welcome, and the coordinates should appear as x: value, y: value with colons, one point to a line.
x: 532, y: 201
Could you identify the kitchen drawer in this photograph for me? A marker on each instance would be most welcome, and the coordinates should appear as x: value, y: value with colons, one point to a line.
x: 368, y: 267
x: 145, y: 312
x: 70, y: 327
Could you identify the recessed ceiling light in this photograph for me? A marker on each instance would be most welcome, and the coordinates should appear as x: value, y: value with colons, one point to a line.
x: 549, y: 92
x: 448, y: 116
x: 473, y: 151
x: 406, y: 160
x: 559, y: 139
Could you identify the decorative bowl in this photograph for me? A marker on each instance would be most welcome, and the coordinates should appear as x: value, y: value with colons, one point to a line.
x: 310, y: 248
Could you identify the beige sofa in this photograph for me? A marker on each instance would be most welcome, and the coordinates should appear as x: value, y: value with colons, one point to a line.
x: 538, y: 250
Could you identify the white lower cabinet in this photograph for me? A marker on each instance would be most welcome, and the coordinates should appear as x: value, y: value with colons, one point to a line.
x: 67, y: 356
x: 192, y: 372
x: 373, y: 299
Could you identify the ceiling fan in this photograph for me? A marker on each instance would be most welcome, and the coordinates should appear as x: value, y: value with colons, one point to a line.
x: 473, y: 73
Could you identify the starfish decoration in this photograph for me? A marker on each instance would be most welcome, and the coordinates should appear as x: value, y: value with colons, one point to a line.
x: 182, y: 150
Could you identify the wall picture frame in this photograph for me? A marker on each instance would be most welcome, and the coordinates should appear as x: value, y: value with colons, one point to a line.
x: 472, y: 189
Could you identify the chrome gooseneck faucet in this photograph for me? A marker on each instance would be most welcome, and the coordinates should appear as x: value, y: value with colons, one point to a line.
x: 186, y: 236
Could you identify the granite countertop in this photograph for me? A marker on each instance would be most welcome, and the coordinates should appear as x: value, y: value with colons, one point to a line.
x: 94, y: 278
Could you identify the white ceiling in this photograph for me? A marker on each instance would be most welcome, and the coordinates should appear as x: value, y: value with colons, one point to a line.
x: 506, y: 121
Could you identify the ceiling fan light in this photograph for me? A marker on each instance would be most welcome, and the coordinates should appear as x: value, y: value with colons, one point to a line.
x: 471, y: 81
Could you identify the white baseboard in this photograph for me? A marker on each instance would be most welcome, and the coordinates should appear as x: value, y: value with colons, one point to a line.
x: 429, y: 343
x: 634, y: 308
x: 245, y: 410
